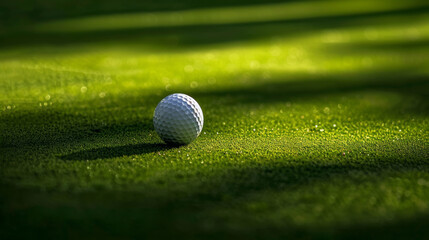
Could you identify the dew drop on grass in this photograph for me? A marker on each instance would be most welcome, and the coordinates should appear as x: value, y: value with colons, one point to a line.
x: 83, y: 89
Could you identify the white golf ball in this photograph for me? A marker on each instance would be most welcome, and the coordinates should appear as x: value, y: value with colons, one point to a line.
x: 178, y: 119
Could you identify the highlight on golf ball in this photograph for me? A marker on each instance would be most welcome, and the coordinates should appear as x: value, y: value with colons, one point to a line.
x: 178, y: 119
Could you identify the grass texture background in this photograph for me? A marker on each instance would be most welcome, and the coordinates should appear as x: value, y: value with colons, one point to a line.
x: 316, y: 119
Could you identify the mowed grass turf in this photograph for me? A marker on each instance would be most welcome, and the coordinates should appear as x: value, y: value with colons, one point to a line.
x: 316, y: 123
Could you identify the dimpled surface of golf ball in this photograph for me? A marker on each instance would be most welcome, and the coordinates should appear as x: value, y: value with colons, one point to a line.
x: 178, y: 119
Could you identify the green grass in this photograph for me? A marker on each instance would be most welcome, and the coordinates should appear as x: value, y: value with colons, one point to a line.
x: 316, y: 122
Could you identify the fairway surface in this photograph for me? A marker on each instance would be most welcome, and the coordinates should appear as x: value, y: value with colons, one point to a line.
x: 316, y: 123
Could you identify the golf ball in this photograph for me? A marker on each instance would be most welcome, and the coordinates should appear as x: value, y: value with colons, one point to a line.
x: 178, y: 119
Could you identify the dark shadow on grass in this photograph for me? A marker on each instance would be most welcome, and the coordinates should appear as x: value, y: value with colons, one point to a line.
x: 289, y: 174
x: 397, y: 46
x: 415, y: 227
x: 320, y: 86
x: 183, y: 37
x: 14, y: 12
x: 186, y: 206
x: 405, y: 81
x: 116, y: 151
